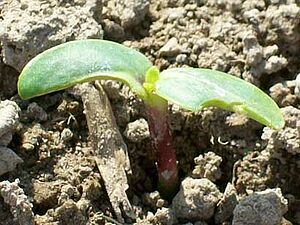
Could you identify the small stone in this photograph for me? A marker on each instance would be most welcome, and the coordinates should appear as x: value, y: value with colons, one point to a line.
x: 252, y: 15
x: 202, y: 43
x: 9, y: 116
x: 160, y: 203
x: 113, y: 30
x: 181, y: 58
x: 274, y: 64
x: 27, y: 146
x: 137, y: 130
x: 175, y: 14
x: 32, y: 137
x: 8, y: 160
x: 154, y: 200
x: 69, y: 212
x: 190, y: 14
x: 270, y: 50
x: 283, y: 93
x: 171, y: 48
x: 165, y: 216
x: 66, y: 135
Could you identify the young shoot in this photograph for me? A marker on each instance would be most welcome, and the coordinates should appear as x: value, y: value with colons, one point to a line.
x: 191, y: 88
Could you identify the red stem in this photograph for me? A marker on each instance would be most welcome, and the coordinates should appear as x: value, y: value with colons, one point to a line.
x: 165, y: 154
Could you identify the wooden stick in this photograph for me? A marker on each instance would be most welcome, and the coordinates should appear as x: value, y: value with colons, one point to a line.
x: 109, y: 147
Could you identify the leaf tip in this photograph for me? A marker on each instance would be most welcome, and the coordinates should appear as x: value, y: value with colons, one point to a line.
x: 279, y: 124
x: 276, y: 122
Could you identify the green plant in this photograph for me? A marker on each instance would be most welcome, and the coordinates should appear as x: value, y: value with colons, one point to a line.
x: 191, y: 88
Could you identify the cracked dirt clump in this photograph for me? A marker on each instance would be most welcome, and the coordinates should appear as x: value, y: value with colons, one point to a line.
x: 70, y: 212
x: 20, y: 206
x: 253, y: 171
x: 33, y: 26
x: 255, y: 40
x: 128, y: 13
x: 207, y: 166
x: 154, y: 200
x: 121, y: 18
x: 162, y: 216
x: 261, y: 208
x: 196, y: 199
x: 285, y: 93
x: 287, y: 139
x: 9, y: 118
x: 258, y: 169
x: 9, y: 112
x: 208, y: 34
x: 284, y: 148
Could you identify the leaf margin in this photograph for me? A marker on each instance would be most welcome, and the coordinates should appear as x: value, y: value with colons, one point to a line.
x: 25, y: 89
x: 276, y: 122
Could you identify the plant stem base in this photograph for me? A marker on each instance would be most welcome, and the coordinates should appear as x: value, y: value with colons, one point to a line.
x: 161, y: 139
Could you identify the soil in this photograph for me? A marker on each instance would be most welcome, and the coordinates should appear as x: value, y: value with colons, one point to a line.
x: 233, y: 170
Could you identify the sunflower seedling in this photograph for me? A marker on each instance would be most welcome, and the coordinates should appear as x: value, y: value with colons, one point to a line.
x: 191, y: 88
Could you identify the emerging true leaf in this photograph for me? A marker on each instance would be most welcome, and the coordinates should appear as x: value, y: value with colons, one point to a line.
x: 79, y: 61
x: 193, y: 89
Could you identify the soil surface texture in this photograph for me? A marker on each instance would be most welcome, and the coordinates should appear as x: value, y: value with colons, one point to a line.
x: 57, y: 167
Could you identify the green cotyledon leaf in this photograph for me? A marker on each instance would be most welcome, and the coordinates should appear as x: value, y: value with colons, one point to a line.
x: 75, y: 62
x: 193, y: 89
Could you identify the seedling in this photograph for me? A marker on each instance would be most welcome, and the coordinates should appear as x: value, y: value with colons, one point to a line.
x: 191, y: 88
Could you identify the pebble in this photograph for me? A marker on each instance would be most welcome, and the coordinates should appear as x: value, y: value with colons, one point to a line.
x: 66, y: 135
x: 9, y: 116
x: 137, y: 131
x: 171, y: 48
x: 275, y: 63
x: 175, y: 14
x: 181, y: 58
x: 9, y: 160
